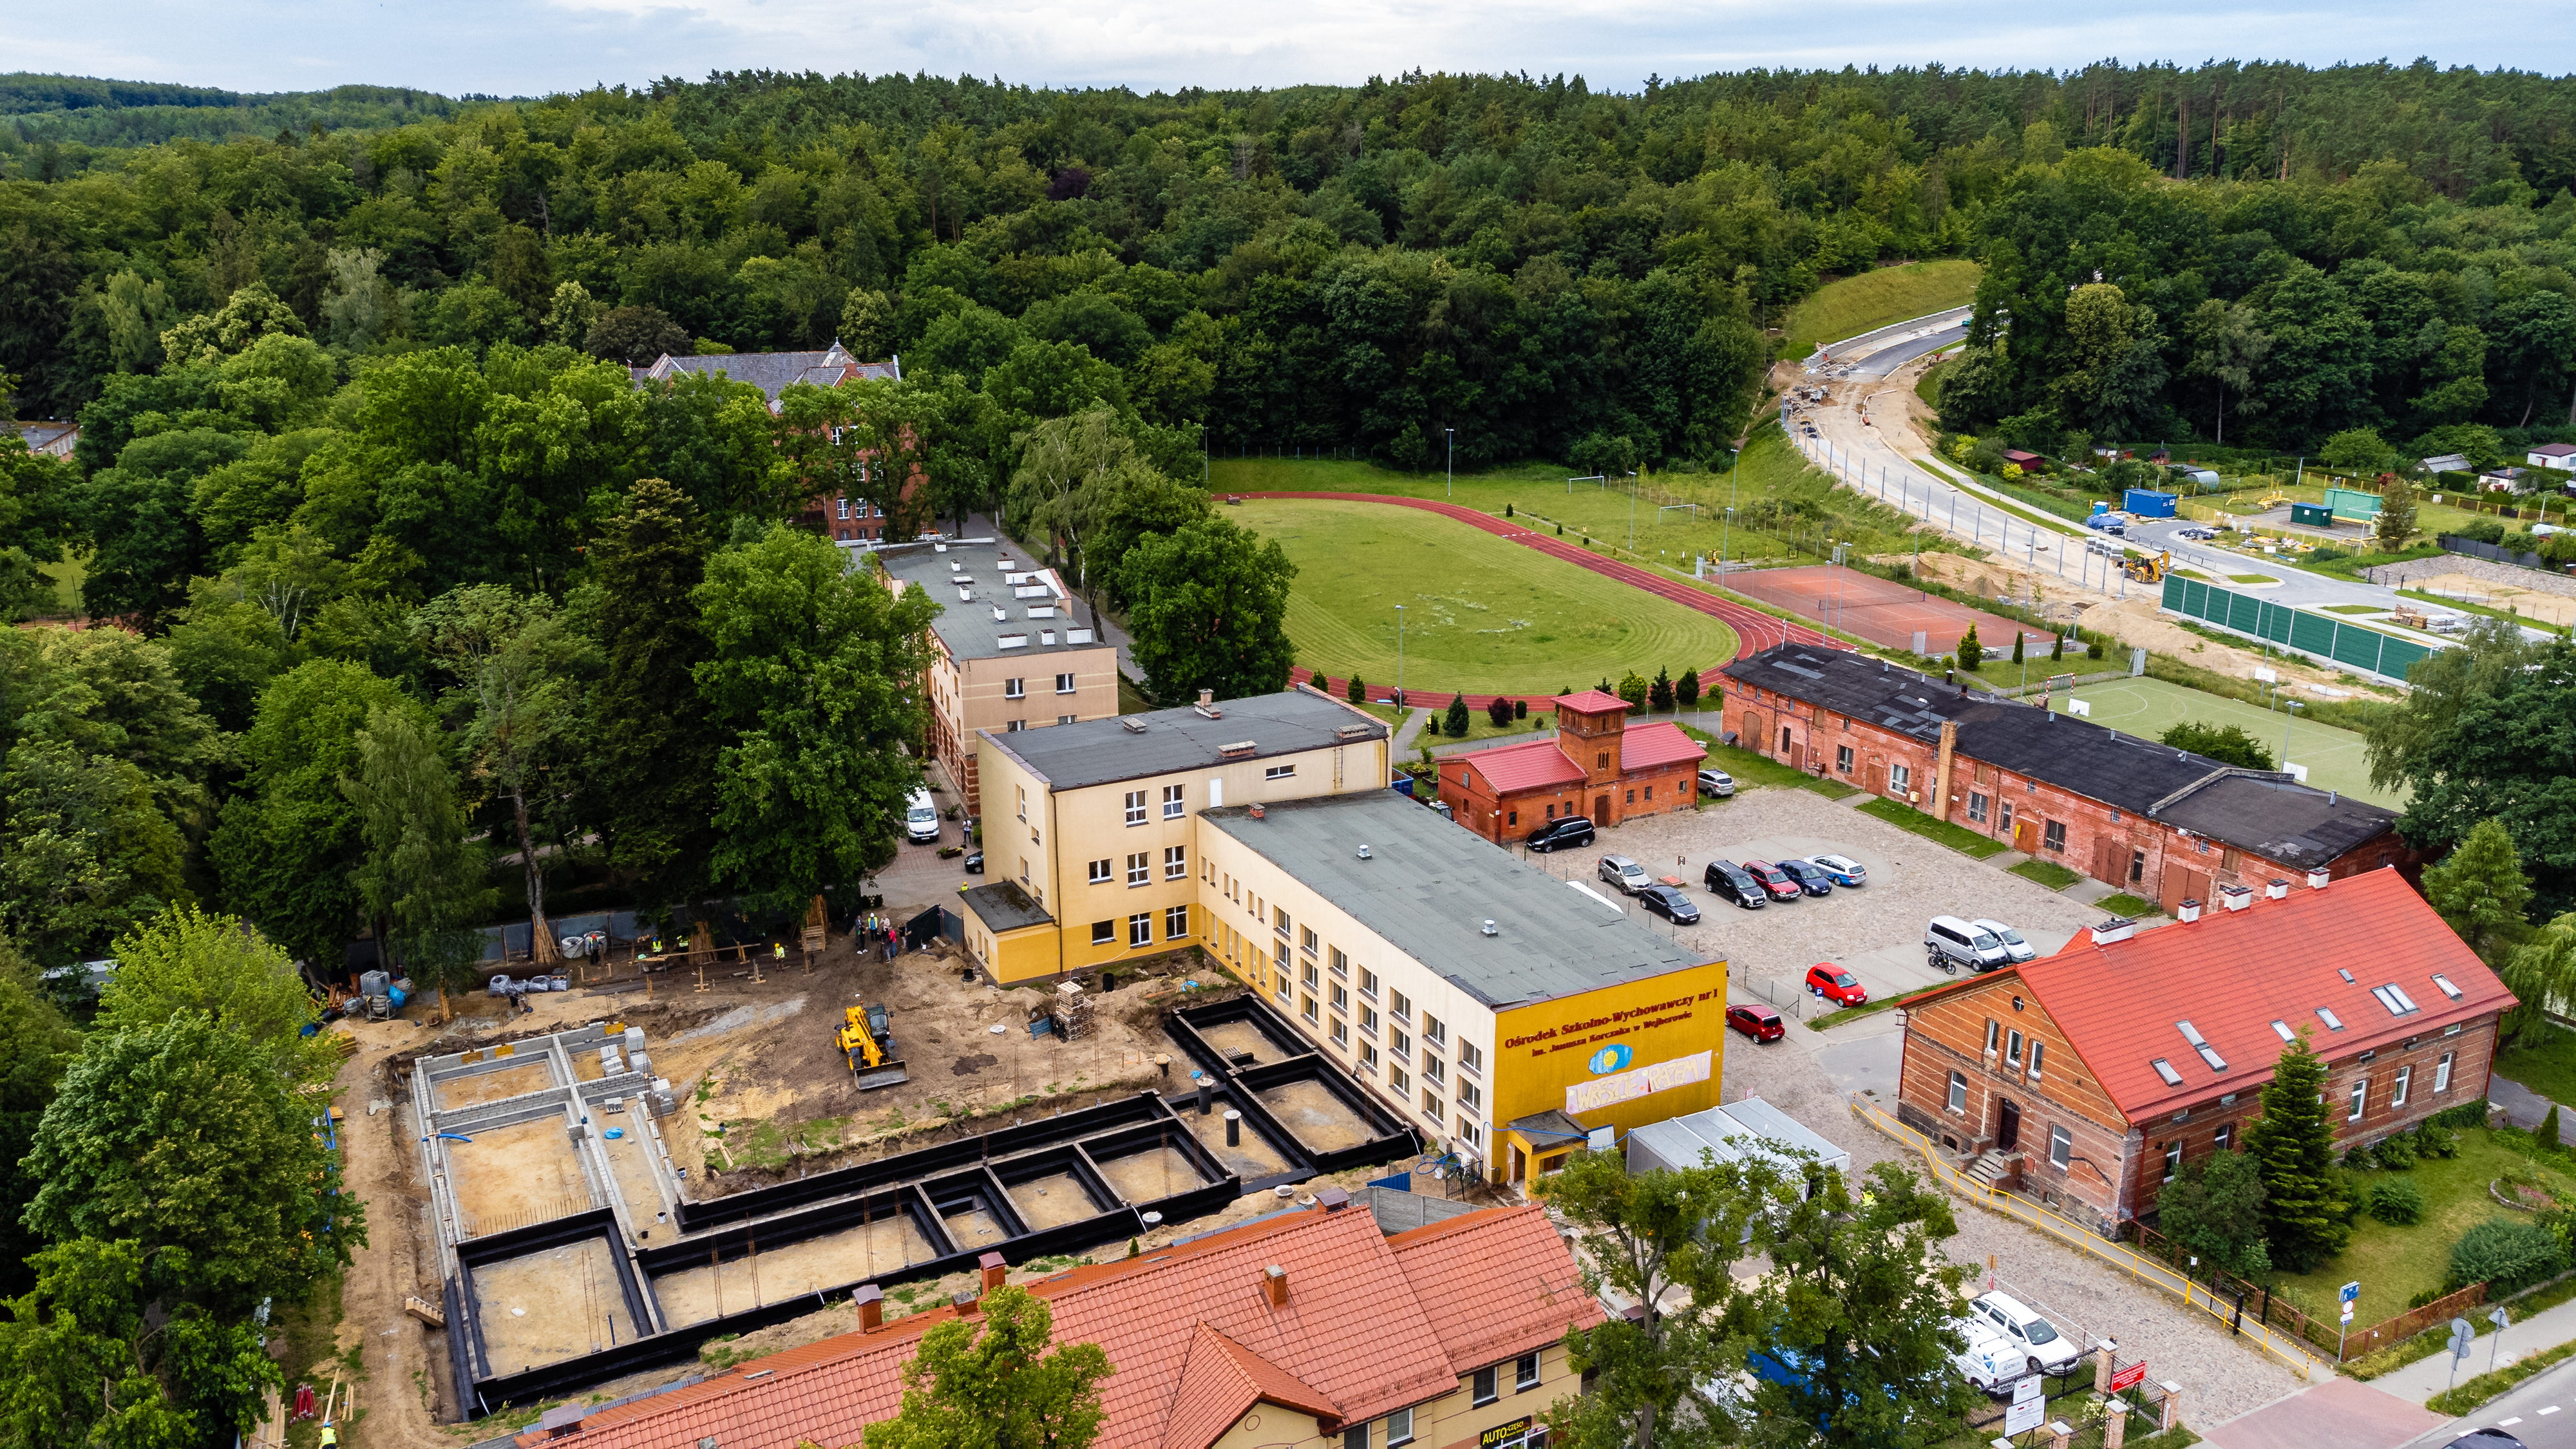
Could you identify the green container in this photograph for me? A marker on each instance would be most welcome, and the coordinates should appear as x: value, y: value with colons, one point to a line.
x: 2315, y: 515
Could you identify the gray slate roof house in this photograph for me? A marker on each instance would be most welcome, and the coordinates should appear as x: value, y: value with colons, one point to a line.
x: 774, y: 372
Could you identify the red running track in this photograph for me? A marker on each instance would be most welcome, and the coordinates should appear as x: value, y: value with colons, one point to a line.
x: 1754, y: 630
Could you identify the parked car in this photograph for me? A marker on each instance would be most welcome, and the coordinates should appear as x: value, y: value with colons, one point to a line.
x: 974, y: 862
x: 2202, y: 535
x: 2016, y: 950
x: 1728, y: 882
x: 1717, y: 783
x: 1624, y: 873
x: 1758, y: 1022
x: 1775, y: 881
x: 2043, y: 1347
x: 1559, y: 833
x: 1836, y: 985
x: 1990, y: 1361
x: 1842, y: 870
x: 921, y: 818
x: 1669, y: 903
x: 1810, y: 876
x: 1950, y: 943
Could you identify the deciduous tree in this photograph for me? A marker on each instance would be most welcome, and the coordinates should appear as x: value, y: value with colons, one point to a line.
x: 423, y: 881
x: 2227, y: 744
x: 2213, y: 1210
x: 185, y: 961
x: 992, y: 1382
x: 1210, y: 611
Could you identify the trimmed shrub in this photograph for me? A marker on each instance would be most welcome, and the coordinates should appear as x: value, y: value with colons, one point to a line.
x: 2467, y: 1114
x: 2396, y: 1153
x: 2397, y: 1201
x: 2505, y: 1255
x: 2547, y: 1136
x: 2433, y: 1140
x: 2359, y: 1157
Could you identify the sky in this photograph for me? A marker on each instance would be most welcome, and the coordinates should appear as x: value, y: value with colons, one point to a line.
x: 536, y: 47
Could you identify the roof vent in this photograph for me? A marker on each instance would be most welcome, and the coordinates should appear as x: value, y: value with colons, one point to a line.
x: 1332, y: 1199
x: 1000, y: 614
x: 939, y: 548
x: 1257, y: 812
x: 2275, y: 889
x: 953, y: 564
x: 1207, y: 704
x: 1132, y: 724
x: 1489, y: 927
x: 2114, y: 928
x: 2318, y: 878
x: 2235, y: 897
x: 1364, y: 853
x: 1354, y: 731
x: 1004, y: 563
x: 2190, y: 911
x: 1239, y: 750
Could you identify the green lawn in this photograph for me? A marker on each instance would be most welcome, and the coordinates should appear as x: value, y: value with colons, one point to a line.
x: 68, y: 574
x: 1872, y: 300
x: 1906, y: 817
x: 2542, y: 1059
x: 2048, y: 873
x: 2350, y: 608
x: 1928, y: 386
x: 2254, y: 578
x: 2125, y: 904
x: 1753, y: 772
x: 1480, y: 726
x: 2394, y: 1264
x: 1784, y: 509
x: 2149, y: 707
x: 1481, y: 614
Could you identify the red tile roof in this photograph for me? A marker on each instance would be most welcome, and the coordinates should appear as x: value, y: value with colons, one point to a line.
x: 1503, y: 1270
x: 1532, y: 766
x: 2231, y: 974
x: 1662, y: 743
x: 1590, y: 701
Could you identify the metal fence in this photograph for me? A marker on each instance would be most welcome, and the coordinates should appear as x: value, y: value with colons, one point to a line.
x: 2493, y: 553
x: 2320, y: 636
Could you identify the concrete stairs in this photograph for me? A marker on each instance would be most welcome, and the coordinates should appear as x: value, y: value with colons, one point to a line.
x: 1995, y: 1169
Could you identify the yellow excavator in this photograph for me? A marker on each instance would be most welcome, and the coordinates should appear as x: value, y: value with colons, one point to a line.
x: 866, y: 1038
x: 2148, y: 570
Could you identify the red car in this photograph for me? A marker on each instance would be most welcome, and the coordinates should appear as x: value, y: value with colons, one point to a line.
x: 1836, y: 985
x: 1758, y: 1022
x: 1776, y: 883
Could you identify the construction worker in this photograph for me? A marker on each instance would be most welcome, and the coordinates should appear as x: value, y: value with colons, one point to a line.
x: 330, y: 1434
x: 777, y: 950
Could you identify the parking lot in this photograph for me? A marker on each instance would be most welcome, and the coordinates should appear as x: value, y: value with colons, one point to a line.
x: 1876, y: 931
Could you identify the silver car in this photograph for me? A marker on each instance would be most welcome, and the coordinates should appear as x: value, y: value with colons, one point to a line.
x: 1717, y: 783
x: 2016, y: 949
x: 1624, y: 873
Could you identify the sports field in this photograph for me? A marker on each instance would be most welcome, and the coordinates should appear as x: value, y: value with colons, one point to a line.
x: 1482, y: 614
x: 2149, y: 707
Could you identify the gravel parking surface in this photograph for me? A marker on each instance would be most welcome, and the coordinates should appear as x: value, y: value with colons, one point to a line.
x: 1876, y: 931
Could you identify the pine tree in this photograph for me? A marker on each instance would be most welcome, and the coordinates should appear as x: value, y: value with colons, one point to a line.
x: 2057, y: 650
x: 1520, y: 709
x: 1356, y: 692
x: 1686, y: 689
x: 2547, y: 1137
x: 1972, y: 655
x: 2480, y: 891
x: 1457, y: 722
x: 1660, y: 693
x: 2294, y: 1143
x: 2016, y: 647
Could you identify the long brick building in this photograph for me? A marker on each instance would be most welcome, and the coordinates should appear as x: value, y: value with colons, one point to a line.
x: 1594, y: 766
x: 2091, y: 1076
x: 2158, y: 822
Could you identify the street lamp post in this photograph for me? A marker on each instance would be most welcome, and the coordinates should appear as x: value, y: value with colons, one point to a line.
x: 2295, y: 705
x: 1453, y: 460
x: 1399, y: 653
x: 1725, y: 544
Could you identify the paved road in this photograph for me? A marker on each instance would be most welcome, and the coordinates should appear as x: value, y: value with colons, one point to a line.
x: 1754, y: 630
x: 2541, y: 1413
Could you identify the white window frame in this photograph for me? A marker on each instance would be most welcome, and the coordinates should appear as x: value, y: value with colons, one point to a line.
x: 1064, y: 684
x: 1176, y: 862
x: 1959, y: 1093
x: 1140, y: 868
x: 2405, y: 1079
x: 1140, y: 929
x: 1015, y: 689
x: 2360, y: 1099
x: 1135, y: 807
x: 1176, y: 923
x: 1102, y: 872
x: 1900, y: 778
x: 2442, y: 1072
x: 1175, y: 801
x: 1279, y: 772
x: 2061, y: 1147
x: 1399, y: 1428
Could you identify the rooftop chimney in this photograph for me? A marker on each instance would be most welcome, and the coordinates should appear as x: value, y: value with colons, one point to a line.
x: 2235, y: 897
x: 2114, y: 928
x: 2275, y: 888
x: 1256, y: 810
x: 2317, y: 878
x: 994, y: 1267
x: 965, y: 1302
x: 1332, y: 1199
x: 871, y: 1301
x: 2190, y: 911
x: 1274, y: 1285
x: 1207, y: 704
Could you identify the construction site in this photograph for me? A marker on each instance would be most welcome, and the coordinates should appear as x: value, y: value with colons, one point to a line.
x: 621, y: 1174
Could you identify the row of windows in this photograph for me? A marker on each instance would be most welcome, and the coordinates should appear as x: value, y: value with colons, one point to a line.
x: 1140, y: 928
x: 1019, y: 688
x: 1014, y: 726
x: 1175, y: 802
x: 1140, y: 867
x: 1484, y: 1386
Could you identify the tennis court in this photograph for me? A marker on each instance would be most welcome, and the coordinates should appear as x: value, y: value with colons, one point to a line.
x: 2149, y: 707
x: 1880, y: 610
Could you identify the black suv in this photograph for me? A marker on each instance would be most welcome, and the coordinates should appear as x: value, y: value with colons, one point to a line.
x: 1560, y: 833
x: 1729, y: 882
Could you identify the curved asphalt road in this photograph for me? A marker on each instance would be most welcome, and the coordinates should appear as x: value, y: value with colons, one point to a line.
x: 1754, y: 630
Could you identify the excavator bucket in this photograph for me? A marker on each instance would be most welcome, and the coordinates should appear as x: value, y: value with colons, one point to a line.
x: 866, y: 1039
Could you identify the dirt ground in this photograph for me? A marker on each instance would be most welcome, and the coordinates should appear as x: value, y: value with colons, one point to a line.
x: 743, y: 1280
x: 508, y: 1177
x: 2547, y: 608
x: 1322, y: 1121
x: 553, y: 1305
x: 528, y: 1076
x: 1052, y: 1201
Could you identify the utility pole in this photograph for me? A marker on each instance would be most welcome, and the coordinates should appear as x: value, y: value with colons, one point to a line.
x: 1399, y: 651
x: 1453, y: 460
x: 1725, y: 544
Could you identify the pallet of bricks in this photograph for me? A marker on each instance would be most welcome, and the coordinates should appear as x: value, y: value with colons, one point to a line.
x: 1072, y: 1011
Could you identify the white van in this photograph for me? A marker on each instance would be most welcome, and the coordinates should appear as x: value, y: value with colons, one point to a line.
x: 921, y: 818
x: 2045, y: 1349
x: 1990, y: 1361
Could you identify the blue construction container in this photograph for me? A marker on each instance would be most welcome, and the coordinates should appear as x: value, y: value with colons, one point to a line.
x: 2148, y: 503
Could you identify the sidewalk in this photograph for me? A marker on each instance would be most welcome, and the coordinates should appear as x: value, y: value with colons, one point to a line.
x: 2424, y: 1378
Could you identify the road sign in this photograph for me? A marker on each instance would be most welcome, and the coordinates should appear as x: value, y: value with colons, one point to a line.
x: 2128, y: 1378
x: 2349, y: 1291
x: 2028, y: 1387
x: 2347, y: 1313
x: 2022, y: 1418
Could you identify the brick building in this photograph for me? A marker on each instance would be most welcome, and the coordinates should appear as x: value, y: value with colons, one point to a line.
x: 1305, y: 1330
x: 838, y: 513
x: 1595, y: 766
x: 2161, y: 823
x: 2092, y: 1075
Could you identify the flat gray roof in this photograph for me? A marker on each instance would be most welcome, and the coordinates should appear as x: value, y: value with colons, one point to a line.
x: 1429, y: 885
x: 1134, y: 746
x: 966, y: 621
